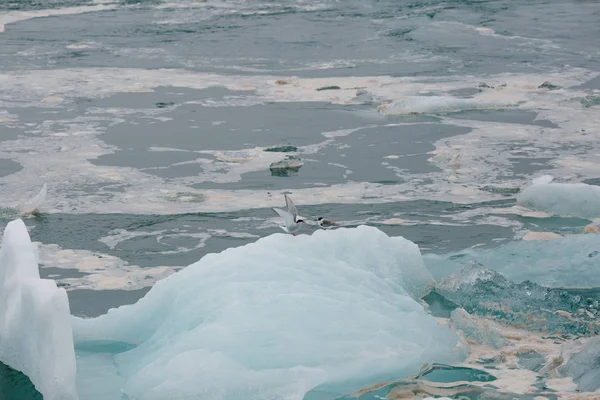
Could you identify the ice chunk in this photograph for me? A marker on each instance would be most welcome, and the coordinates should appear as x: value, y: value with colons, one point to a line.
x: 487, y: 293
x: 35, y: 326
x: 481, y: 331
x: 286, y: 167
x: 568, y: 199
x: 278, y: 317
x: 33, y: 204
x: 434, y: 104
x: 584, y: 366
x: 568, y: 262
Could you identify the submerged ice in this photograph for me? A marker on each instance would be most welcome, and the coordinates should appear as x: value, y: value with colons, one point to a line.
x: 270, y: 320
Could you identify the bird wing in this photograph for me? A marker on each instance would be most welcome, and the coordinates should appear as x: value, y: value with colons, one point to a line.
x: 287, y: 217
x: 291, y: 208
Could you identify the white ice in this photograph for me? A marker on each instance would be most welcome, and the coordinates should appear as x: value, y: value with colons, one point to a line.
x: 570, y: 261
x: 436, y: 104
x: 35, y: 328
x: 567, y: 199
x: 9, y: 17
x: 274, y: 319
x: 33, y: 204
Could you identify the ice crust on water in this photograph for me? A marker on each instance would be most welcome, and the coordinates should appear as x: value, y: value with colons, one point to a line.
x: 568, y: 262
x: 35, y: 326
x: 568, y: 199
x: 278, y: 317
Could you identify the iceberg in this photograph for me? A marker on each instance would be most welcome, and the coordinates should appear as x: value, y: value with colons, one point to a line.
x: 567, y: 199
x: 567, y: 262
x: 485, y: 292
x: 35, y: 327
x: 273, y: 319
x: 277, y: 318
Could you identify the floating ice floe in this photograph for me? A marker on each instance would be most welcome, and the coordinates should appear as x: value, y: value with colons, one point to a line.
x: 272, y: 319
x: 567, y: 199
x: 35, y: 326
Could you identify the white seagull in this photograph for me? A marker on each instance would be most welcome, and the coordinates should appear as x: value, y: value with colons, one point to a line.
x: 326, y: 223
x: 290, y: 217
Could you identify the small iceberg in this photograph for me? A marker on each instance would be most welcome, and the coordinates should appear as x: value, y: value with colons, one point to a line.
x: 287, y: 167
x: 269, y: 320
x: 32, y: 205
x: 35, y: 325
x: 435, y: 105
x: 566, y: 199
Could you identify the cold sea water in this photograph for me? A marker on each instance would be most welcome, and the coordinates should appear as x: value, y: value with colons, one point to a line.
x: 166, y: 130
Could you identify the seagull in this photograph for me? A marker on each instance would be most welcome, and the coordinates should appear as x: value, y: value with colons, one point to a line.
x: 325, y: 223
x: 290, y: 217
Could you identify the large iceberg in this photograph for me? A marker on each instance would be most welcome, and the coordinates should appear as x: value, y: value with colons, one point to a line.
x: 35, y: 327
x: 567, y: 199
x: 274, y: 319
x: 278, y: 317
x: 569, y: 262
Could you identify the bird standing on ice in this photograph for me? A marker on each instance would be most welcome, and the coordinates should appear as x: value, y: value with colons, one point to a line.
x: 290, y: 217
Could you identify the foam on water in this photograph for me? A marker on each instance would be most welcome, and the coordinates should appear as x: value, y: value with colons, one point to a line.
x: 100, y: 271
x: 468, y: 161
